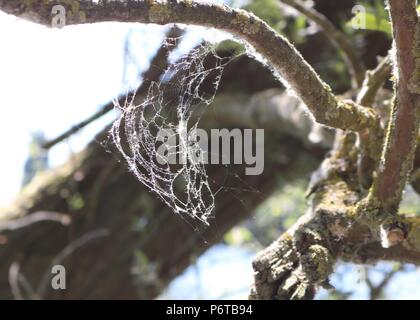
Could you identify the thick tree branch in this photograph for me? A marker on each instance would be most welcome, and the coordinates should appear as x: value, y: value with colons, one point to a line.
x: 400, y: 145
x: 373, y: 252
x: 276, y: 49
x: 303, y: 257
x: 339, y: 39
x: 274, y: 110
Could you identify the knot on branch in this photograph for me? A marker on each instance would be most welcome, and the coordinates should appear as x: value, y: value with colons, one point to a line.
x: 391, y: 229
x: 393, y: 233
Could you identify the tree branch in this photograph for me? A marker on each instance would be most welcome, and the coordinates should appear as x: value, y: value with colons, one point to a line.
x: 302, y: 259
x: 370, y: 148
x: 35, y: 217
x: 400, y: 145
x: 277, y: 50
x: 67, y: 251
x: 373, y: 81
x: 407, y: 251
x: 339, y: 39
x: 377, y: 290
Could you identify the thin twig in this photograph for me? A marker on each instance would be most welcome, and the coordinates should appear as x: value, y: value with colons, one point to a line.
x: 67, y: 251
x: 76, y: 128
x: 377, y: 290
x: 374, y: 80
x: 16, y: 280
x: 35, y: 217
x: 338, y: 38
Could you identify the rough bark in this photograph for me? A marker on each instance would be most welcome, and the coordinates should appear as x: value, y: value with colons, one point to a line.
x: 403, y: 129
x: 333, y: 229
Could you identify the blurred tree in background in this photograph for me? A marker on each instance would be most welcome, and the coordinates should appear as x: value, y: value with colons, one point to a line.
x: 37, y: 160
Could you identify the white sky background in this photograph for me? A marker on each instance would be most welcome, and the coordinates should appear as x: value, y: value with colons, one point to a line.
x: 50, y: 79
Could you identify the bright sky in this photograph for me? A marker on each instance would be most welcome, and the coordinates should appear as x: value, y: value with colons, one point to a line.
x: 50, y: 79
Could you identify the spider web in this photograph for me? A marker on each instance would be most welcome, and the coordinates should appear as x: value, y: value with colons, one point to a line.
x: 172, y: 106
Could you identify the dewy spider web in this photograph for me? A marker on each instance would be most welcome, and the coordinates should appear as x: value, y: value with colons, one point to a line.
x: 173, y: 105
